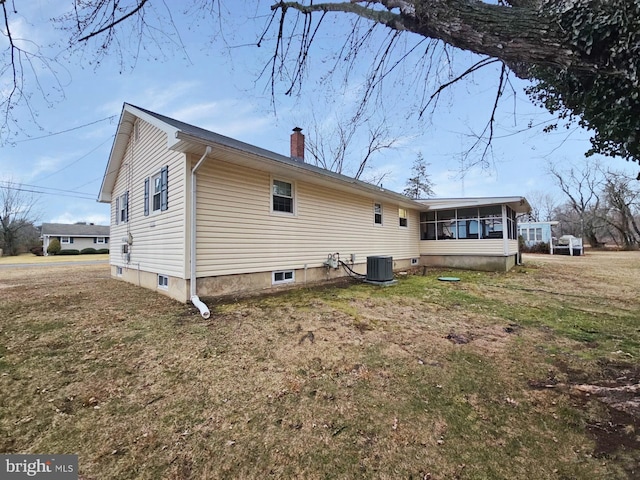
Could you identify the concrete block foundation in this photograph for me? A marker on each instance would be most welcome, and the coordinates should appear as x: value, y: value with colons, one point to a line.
x: 471, y: 262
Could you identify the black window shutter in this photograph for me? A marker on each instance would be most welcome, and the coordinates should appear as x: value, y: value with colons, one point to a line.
x: 164, y: 188
x: 70, y: 239
x: 146, y: 196
x: 126, y: 206
x: 95, y: 240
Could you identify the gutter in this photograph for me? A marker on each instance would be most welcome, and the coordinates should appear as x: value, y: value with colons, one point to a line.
x: 204, y: 310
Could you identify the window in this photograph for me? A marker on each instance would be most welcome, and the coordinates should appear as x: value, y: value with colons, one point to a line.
x: 535, y: 234
x: 512, y: 223
x: 524, y: 233
x: 163, y: 282
x: 377, y: 213
x: 100, y: 240
x: 439, y: 225
x: 402, y: 214
x: 119, y: 271
x: 156, y: 192
x: 463, y: 223
x: 282, y: 198
x: 285, y: 276
x: 122, y: 208
x: 66, y: 240
x: 491, y: 221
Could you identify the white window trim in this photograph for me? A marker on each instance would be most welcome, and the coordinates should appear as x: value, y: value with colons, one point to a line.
x: 100, y: 240
x: 162, y: 279
x: 294, y: 196
x: 285, y: 280
x: 152, y: 194
x: 65, y: 240
x: 381, y: 214
x: 123, y: 208
x: 406, y: 217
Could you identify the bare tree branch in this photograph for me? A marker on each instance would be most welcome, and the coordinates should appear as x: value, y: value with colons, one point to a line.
x: 114, y: 21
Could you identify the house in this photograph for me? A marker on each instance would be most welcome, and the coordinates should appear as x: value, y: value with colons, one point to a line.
x: 533, y: 233
x: 195, y: 213
x: 77, y: 236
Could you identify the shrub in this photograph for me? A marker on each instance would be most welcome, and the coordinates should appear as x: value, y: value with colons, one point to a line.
x: 54, y: 247
x: 87, y: 251
x: 540, y: 247
x: 71, y: 251
x: 38, y: 251
x: 102, y: 251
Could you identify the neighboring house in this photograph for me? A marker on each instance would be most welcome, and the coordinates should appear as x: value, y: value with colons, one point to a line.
x: 533, y: 233
x: 536, y: 232
x: 197, y: 213
x: 77, y: 236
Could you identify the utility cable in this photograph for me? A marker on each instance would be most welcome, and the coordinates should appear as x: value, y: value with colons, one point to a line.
x: 53, y: 134
x: 60, y: 193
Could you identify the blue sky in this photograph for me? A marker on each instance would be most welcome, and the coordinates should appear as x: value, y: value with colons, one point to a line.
x: 215, y: 85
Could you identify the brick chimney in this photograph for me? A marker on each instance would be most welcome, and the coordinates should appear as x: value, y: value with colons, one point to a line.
x: 297, y: 145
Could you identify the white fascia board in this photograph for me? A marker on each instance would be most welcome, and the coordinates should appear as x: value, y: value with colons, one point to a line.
x: 123, y: 133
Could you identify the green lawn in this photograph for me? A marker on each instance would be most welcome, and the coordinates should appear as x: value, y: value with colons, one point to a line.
x: 482, y: 379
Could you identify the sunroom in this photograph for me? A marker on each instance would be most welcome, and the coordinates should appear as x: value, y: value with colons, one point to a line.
x: 471, y: 233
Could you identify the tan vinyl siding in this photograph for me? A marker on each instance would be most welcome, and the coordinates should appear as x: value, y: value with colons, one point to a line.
x: 513, y: 247
x: 159, y: 238
x: 464, y: 247
x: 238, y: 233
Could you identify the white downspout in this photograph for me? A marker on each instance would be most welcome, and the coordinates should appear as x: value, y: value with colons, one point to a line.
x: 204, y: 310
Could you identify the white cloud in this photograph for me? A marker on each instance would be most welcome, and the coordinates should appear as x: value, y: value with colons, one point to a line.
x: 44, y: 164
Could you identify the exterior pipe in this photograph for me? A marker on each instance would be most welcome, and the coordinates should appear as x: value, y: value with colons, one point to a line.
x: 204, y: 310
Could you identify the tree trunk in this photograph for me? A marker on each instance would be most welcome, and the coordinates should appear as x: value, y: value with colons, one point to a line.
x: 515, y: 35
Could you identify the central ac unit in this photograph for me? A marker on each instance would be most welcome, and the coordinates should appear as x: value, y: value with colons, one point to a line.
x: 379, y: 269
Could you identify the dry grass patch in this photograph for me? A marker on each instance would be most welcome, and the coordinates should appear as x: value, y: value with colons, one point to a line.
x: 422, y: 380
x: 31, y: 259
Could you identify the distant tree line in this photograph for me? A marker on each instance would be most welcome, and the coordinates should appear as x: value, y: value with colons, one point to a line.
x: 18, y: 233
x: 600, y: 205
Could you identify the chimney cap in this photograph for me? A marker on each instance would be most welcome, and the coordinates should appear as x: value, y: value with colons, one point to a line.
x: 297, y: 129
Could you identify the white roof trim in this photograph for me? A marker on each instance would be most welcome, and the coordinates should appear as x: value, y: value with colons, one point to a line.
x: 125, y: 128
x: 520, y: 204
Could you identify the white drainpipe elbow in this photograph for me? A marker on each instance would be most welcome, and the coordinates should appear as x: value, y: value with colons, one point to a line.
x: 204, y: 310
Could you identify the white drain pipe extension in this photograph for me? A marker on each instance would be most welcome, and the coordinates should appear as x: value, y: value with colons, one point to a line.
x: 204, y: 310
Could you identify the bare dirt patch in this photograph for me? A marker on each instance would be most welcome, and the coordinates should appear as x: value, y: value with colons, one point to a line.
x: 341, y: 382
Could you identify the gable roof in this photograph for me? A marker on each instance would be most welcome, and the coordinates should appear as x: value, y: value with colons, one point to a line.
x: 186, y: 138
x: 75, y: 230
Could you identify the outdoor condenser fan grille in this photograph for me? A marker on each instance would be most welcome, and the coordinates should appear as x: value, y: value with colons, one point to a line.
x: 379, y: 269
